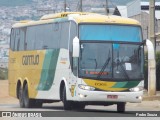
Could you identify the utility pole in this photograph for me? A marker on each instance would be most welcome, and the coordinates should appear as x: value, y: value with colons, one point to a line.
x: 81, y: 4
x: 152, y: 63
x: 65, y: 5
x: 106, y: 6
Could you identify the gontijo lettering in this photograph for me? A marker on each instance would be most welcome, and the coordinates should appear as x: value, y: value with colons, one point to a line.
x: 30, y: 60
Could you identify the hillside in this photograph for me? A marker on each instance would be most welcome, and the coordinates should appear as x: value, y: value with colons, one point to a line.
x: 25, y: 2
x: 15, y: 2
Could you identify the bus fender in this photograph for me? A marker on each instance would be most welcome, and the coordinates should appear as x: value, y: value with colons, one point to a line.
x: 66, y: 85
x: 26, y: 81
x: 19, y: 80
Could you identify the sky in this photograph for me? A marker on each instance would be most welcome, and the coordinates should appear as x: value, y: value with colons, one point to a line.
x: 23, y: 2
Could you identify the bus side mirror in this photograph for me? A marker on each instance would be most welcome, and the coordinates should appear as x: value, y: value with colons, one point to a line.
x: 76, y: 47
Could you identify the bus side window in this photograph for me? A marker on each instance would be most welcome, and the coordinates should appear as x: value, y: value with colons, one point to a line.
x: 56, y: 26
x: 30, y: 39
x: 75, y: 66
x: 16, y: 39
x: 64, y: 35
x: 73, y: 61
x: 22, y: 39
x: 56, y: 35
x: 12, y: 39
x: 39, y: 42
x: 48, y: 37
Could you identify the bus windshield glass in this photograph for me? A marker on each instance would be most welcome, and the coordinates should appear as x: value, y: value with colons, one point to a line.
x: 111, y: 60
x: 110, y: 32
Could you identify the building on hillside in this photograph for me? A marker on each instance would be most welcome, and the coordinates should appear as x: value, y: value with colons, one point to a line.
x: 122, y: 10
x: 111, y: 11
x: 4, y: 53
x: 140, y: 11
x: 136, y: 10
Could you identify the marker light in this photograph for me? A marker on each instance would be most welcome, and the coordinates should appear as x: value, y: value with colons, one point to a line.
x: 139, y: 97
x: 82, y: 96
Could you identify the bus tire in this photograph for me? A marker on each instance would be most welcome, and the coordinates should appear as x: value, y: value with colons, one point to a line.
x: 78, y: 106
x: 66, y: 104
x: 38, y: 104
x: 28, y: 103
x: 20, y: 95
x: 121, y: 107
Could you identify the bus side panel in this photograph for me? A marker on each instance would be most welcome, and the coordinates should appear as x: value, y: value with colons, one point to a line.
x: 27, y: 66
x: 43, y: 70
x: 12, y: 74
x: 58, y: 70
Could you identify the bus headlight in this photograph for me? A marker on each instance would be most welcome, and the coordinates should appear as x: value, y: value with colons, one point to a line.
x: 136, y: 89
x: 86, y: 87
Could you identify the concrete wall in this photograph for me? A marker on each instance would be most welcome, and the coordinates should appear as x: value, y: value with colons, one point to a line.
x: 143, y: 18
x: 133, y: 8
x: 159, y: 25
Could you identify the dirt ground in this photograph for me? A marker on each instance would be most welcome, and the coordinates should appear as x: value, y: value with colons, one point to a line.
x: 4, y: 95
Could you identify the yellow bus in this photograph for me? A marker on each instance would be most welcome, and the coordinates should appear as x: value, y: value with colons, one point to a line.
x: 77, y: 58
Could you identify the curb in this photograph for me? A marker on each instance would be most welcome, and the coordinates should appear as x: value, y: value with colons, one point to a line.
x: 151, y: 98
x: 146, y: 97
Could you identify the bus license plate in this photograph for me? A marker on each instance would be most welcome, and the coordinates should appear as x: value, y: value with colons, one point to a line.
x: 112, y: 96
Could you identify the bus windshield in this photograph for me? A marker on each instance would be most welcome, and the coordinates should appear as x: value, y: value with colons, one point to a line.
x: 111, y: 60
x: 110, y: 32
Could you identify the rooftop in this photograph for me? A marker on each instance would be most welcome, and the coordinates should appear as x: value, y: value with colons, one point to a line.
x: 79, y: 18
x: 147, y: 3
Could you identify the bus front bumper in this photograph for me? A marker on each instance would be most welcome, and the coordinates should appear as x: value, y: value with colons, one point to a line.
x: 101, y: 96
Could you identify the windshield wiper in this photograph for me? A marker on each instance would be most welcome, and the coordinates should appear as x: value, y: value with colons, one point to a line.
x: 104, y: 66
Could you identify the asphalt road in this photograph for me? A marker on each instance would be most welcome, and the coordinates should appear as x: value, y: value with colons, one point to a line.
x: 8, y: 103
x: 56, y: 110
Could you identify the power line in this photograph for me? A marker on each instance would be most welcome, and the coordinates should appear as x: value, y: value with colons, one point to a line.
x: 81, y: 5
x: 65, y: 5
x: 77, y: 8
x: 107, y: 7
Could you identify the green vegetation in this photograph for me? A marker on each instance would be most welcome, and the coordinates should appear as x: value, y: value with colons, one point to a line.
x: 3, y: 74
x: 157, y: 70
x: 14, y: 2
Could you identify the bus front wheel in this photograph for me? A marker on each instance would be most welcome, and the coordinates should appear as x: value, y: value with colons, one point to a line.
x: 78, y: 106
x: 66, y: 104
x: 121, y: 107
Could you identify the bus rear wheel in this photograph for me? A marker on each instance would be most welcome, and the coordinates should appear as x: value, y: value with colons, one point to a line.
x: 20, y: 96
x: 28, y: 103
x: 37, y: 104
x: 121, y: 107
x: 66, y: 104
